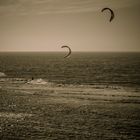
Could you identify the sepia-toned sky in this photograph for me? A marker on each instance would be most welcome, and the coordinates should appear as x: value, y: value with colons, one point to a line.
x: 46, y: 25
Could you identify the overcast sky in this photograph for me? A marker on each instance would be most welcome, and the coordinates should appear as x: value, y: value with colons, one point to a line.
x: 46, y: 25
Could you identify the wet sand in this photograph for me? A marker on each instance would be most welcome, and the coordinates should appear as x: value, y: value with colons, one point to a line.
x: 55, y: 112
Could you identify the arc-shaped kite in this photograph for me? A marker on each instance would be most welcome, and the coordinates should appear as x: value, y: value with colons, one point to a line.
x: 68, y: 52
x: 111, y: 11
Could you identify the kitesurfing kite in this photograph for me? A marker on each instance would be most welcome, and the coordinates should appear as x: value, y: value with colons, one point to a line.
x: 68, y: 52
x: 111, y: 11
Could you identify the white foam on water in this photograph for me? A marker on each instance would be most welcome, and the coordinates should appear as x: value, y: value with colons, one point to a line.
x: 38, y: 81
x: 2, y: 74
x: 14, y: 115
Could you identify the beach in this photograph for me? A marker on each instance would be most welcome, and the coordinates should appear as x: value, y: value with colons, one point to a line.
x: 49, y: 111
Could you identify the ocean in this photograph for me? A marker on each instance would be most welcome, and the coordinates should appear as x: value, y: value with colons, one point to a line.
x: 82, y: 68
x: 64, y: 99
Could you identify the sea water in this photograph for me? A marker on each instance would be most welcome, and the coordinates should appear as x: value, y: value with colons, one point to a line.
x: 81, y: 68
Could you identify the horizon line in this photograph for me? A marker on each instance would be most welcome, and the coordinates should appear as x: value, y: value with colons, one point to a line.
x: 72, y: 51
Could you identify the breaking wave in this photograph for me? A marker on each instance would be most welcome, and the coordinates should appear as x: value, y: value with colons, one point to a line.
x: 38, y: 81
x: 2, y: 74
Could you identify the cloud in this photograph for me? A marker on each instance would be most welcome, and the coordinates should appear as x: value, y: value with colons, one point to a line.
x: 23, y: 7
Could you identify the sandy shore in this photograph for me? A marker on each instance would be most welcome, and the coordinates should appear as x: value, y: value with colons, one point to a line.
x: 51, y: 112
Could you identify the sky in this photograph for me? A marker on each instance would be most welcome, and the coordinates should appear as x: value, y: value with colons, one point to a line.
x: 46, y: 25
